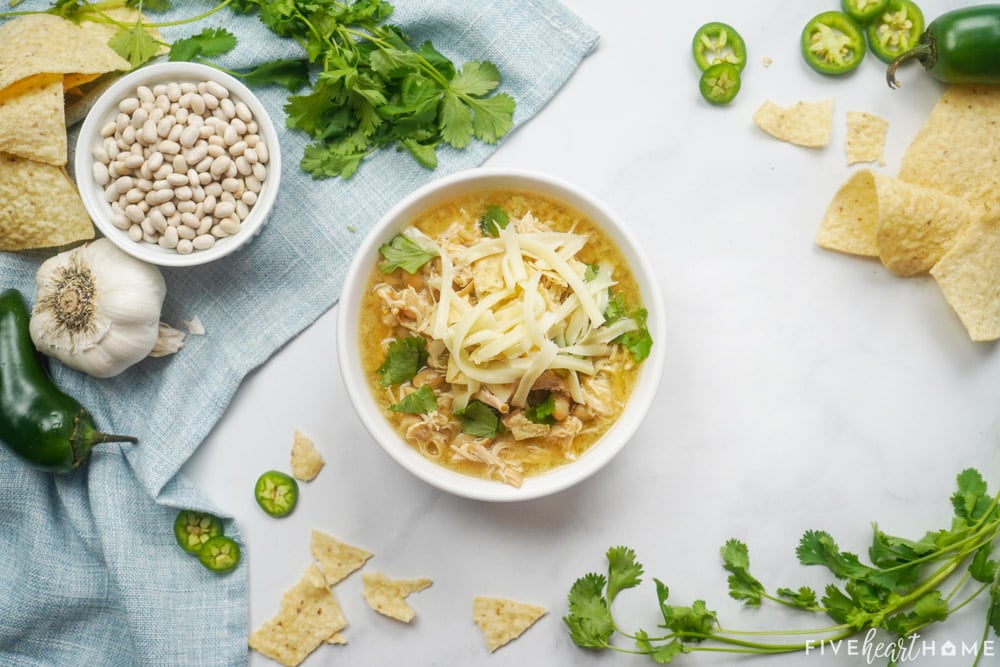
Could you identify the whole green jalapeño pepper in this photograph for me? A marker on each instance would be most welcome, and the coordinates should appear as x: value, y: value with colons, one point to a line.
x: 960, y: 46
x: 44, y: 426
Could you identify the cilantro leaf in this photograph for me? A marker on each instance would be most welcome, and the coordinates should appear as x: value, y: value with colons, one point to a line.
x: 742, y: 585
x: 476, y: 79
x: 983, y: 569
x: 480, y: 420
x: 493, y: 117
x: 417, y: 402
x: 803, y: 598
x: 456, y: 121
x: 542, y: 413
x: 662, y: 654
x: 493, y: 220
x: 292, y: 73
x: 402, y: 252
x: 209, y: 42
x: 970, y: 500
x: 623, y: 571
x: 589, y: 618
x: 134, y: 44
x: 404, y: 358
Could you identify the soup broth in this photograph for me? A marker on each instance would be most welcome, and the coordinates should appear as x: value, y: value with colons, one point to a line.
x: 544, y: 417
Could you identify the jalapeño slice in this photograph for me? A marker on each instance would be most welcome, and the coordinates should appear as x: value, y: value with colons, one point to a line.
x: 220, y: 554
x: 717, y: 42
x: 276, y: 493
x: 193, y: 529
x: 832, y: 43
x: 720, y: 83
x: 863, y: 11
x: 896, y: 30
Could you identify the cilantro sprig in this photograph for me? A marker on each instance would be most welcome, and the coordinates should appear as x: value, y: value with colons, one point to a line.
x: 907, y: 585
x: 375, y: 89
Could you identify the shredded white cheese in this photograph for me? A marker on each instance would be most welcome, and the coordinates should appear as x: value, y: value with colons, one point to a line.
x: 548, y: 314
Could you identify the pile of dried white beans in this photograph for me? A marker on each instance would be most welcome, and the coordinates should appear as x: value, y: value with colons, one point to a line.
x: 181, y: 164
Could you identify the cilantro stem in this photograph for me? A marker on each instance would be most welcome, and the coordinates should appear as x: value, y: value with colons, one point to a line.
x: 191, y: 19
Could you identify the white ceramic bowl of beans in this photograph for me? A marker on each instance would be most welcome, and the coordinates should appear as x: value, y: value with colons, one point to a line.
x: 178, y: 164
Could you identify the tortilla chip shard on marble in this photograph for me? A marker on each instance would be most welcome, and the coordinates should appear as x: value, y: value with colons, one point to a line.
x: 804, y: 123
x: 501, y: 620
x: 865, y: 140
x: 309, y: 616
x: 336, y: 559
x: 306, y: 461
x: 388, y: 596
x: 969, y: 277
x: 39, y: 206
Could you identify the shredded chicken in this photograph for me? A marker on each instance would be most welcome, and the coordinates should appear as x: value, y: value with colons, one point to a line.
x: 476, y: 449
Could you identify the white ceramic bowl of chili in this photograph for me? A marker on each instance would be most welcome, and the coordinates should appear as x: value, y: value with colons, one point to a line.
x: 357, y: 382
x: 104, y: 113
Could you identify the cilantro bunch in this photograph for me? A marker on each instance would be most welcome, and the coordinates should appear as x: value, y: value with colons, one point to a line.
x: 907, y: 585
x: 375, y: 89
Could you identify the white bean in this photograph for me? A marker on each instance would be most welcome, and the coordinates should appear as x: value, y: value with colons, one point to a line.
x: 101, y: 176
x: 203, y: 241
x: 184, y: 247
x: 128, y: 105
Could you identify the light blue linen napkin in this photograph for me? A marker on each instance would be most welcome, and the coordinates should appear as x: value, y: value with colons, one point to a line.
x: 89, y: 570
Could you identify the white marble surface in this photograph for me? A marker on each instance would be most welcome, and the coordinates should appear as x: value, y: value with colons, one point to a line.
x: 802, y: 389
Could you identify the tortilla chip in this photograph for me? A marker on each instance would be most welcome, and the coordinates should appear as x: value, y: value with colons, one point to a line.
x: 336, y: 560
x: 388, y: 596
x: 309, y: 615
x: 803, y: 124
x: 956, y: 149
x: 852, y: 217
x: 39, y: 206
x: 917, y: 225
x: 502, y: 620
x: 865, y: 137
x: 48, y: 44
x: 969, y: 277
x: 306, y: 459
x: 33, y: 124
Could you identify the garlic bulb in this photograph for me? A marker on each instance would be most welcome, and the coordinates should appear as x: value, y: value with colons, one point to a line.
x: 97, y: 309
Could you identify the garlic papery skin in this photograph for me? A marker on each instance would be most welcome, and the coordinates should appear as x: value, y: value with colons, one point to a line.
x: 97, y: 309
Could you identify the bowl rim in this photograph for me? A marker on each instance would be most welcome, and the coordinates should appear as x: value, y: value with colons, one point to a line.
x: 104, y: 109
x: 352, y: 374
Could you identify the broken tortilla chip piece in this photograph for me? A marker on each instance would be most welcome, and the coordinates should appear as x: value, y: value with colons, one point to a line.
x: 39, y: 206
x: 956, y: 150
x: 48, y: 44
x: 388, y: 596
x: 502, y: 620
x: 33, y: 124
x: 306, y: 459
x: 969, y: 277
x: 865, y: 137
x: 335, y: 559
x: 803, y: 124
x: 851, y: 218
x: 917, y: 225
x: 309, y: 616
